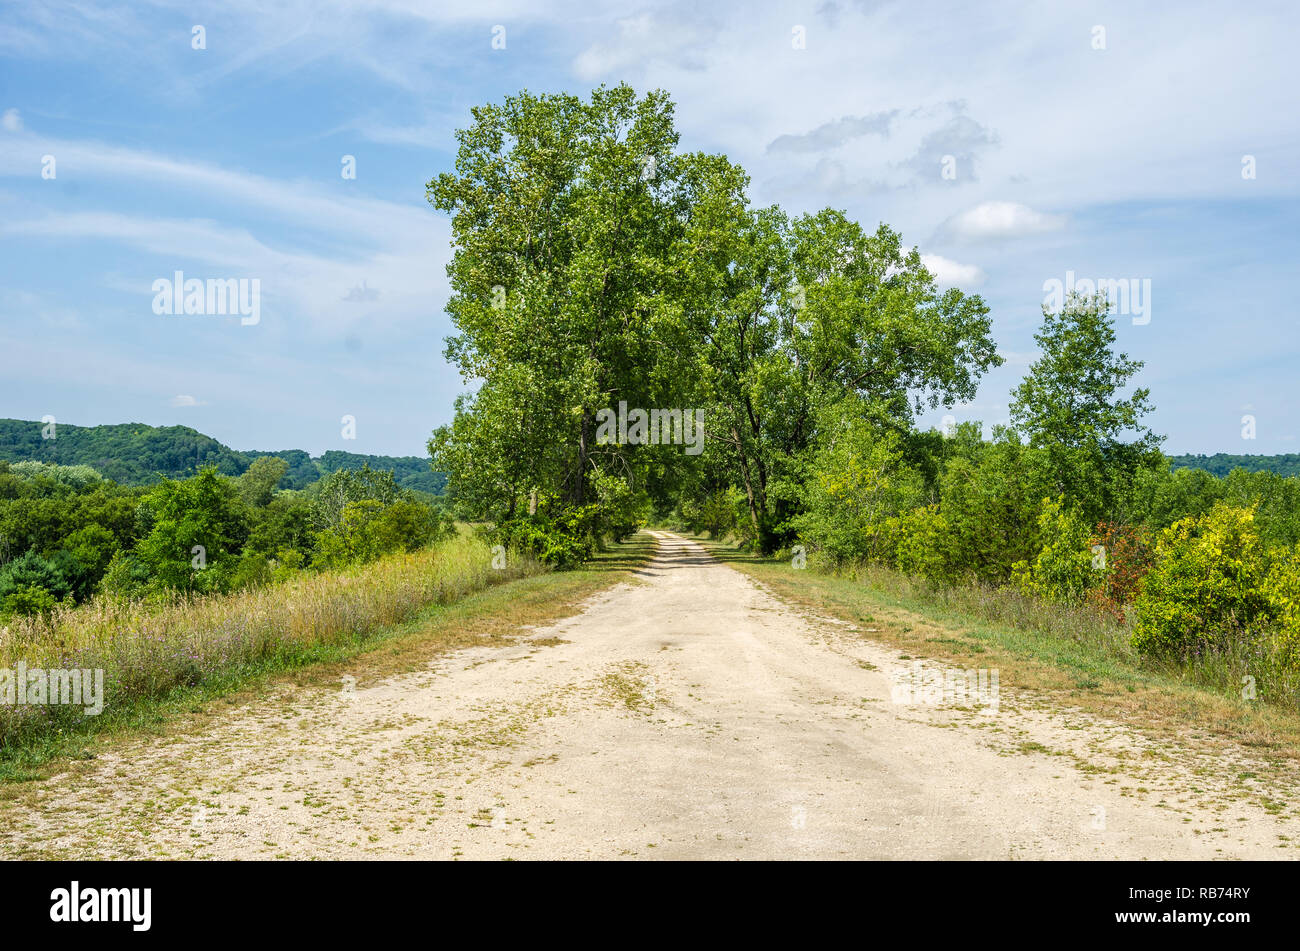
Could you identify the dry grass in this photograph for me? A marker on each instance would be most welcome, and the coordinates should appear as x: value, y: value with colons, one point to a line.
x: 149, y: 650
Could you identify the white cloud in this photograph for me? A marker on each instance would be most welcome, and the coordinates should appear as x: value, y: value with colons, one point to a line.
x: 676, y: 37
x: 184, y: 400
x: 12, y: 121
x: 951, y: 273
x: 313, y: 245
x: 999, y: 219
x: 306, y: 203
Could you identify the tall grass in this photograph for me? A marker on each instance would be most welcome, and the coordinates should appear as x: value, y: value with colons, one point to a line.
x: 148, y: 650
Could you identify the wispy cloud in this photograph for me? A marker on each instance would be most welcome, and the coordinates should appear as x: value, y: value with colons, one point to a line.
x: 997, y: 220
x: 831, y: 135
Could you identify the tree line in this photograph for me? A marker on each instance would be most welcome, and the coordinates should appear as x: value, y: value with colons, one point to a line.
x: 136, y: 454
x: 67, y: 533
x: 596, y: 266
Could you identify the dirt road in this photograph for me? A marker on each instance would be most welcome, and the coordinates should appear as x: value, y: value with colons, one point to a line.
x: 686, y: 715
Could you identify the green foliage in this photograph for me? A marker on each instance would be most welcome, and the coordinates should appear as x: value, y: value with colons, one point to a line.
x: 78, y: 477
x: 1204, y: 592
x: 556, y: 534
x: 28, y: 573
x: 409, y: 472
x: 582, y: 280
x: 924, y: 545
x: 363, y: 514
x: 197, y: 530
x: 346, y: 486
x: 135, y: 454
x: 128, y: 453
x: 568, y: 277
x: 287, y: 522
x: 1070, y: 407
x: 89, y: 551
x: 1066, y: 568
x: 858, y: 486
x: 716, y: 512
x: 1282, y: 589
x: 623, y: 509
x: 1162, y: 497
x: 27, y: 599
x: 990, y: 495
x: 127, y: 577
x: 257, y: 484
x: 1221, y: 463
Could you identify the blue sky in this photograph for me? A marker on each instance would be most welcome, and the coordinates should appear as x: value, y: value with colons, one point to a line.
x: 1114, y: 155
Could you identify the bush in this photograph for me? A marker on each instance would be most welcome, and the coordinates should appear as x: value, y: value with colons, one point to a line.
x: 923, y: 545
x: 1204, y: 592
x: 32, y: 571
x: 126, y: 577
x: 623, y: 509
x: 1282, y: 588
x: 563, y: 537
x: 1127, y: 553
x: 28, y: 599
x: 859, y: 486
x: 1065, y: 568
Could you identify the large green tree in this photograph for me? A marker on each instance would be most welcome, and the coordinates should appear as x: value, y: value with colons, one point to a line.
x: 1072, y: 406
x: 820, y: 313
x: 570, y: 284
x: 594, y: 265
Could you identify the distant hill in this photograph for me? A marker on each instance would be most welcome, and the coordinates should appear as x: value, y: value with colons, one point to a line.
x: 1221, y: 463
x: 136, y: 454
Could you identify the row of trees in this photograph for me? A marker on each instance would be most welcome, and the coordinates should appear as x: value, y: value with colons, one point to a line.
x: 67, y: 533
x: 594, y: 266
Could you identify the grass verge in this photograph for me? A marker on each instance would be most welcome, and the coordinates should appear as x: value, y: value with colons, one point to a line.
x: 1040, y: 650
x: 475, y: 606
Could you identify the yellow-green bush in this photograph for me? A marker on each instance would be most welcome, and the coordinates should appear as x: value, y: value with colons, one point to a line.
x: 1205, y: 590
x: 1064, y: 569
x: 1282, y: 588
x: 923, y: 544
x: 857, y: 487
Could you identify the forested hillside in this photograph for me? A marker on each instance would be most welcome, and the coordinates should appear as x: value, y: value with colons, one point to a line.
x: 136, y: 454
x: 1222, y: 463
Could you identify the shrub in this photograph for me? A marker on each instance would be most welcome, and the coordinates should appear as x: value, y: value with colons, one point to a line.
x: 1065, y: 567
x: 563, y: 537
x: 859, y: 482
x: 125, y: 577
x: 923, y: 545
x: 28, y: 600
x: 1204, y: 590
x: 623, y: 509
x: 29, y: 571
x: 1127, y: 553
x: 1282, y: 588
